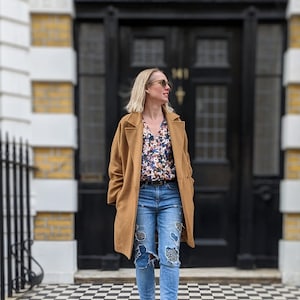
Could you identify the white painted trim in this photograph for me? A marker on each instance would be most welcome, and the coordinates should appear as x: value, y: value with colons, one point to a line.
x: 293, y: 8
x: 53, y: 64
x: 291, y: 73
x: 290, y: 134
x: 15, y: 34
x: 289, y: 196
x: 15, y: 107
x: 16, y: 128
x: 55, y: 195
x: 15, y: 10
x: 14, y: 58
x: 54, y: 130
x: 15, y: 82
x: 58, y: 259
x: 289, y: 262
x: 52, y: 7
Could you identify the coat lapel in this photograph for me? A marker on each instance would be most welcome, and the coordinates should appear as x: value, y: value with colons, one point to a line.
x: 133, y: 133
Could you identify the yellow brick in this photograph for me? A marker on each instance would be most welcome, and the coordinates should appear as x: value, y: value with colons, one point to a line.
x: 51, y: 30
x: 54, y: 226
x: 291, y: 227
x: 293, y: 99
x: 54, y: 163
x: 292, y: 164
x: 294, y: 32
x: 52, y: 97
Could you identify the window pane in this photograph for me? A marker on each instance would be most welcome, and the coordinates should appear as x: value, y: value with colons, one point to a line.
x: 212, y: 53
x: 269, y: 50
x: 91, y: 49
x: 148, y: 52
x: 267, y: 100
x: 91, y: 102
x: 211, y: 103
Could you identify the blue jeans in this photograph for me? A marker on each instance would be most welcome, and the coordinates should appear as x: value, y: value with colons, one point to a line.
x: 159, y: 219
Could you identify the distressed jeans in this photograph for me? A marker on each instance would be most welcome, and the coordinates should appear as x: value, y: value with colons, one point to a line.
x: 159, y: 219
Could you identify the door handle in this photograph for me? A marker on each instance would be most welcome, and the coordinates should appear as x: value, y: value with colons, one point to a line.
x: 180, y: 93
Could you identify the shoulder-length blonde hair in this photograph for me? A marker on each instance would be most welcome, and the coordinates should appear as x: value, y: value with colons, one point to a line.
x: 138, y: 92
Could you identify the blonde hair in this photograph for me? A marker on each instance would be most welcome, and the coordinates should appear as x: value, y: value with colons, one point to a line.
x: 138, y: 92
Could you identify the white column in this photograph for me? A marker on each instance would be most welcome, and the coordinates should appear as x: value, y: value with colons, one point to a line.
x: 289, y: 251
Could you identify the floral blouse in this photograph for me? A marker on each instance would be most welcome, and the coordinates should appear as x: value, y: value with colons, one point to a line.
x: 157, y: 155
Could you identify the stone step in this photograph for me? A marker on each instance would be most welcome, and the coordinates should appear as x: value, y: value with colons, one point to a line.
x: 187, y: 275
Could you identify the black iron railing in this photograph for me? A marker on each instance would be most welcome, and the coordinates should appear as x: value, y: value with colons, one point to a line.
x: 18, y: 269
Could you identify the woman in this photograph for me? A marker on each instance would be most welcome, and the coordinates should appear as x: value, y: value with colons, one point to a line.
x: 151, y: 185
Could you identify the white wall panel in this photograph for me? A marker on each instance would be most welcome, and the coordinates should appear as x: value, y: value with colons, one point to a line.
x: 14, y: 58
x: 17, y: 83
x: 15, y: 10
x: 17, y: 129
x: 54, y: 130
x: 55, y: 195
x: 53, y: 6
x: 14, y: 33
x: 53, y: 64
x: 58, y: 259
x: 293, y: 8
x: 291, y: 66
x: 289, y: 261
x: 290, y: 132
x: 289, y: 196
x: 13, y: 107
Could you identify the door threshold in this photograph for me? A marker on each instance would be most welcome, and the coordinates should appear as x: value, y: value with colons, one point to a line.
x: 187, y: 275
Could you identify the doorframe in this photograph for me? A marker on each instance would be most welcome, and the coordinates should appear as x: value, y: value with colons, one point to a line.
x: 202, y: 12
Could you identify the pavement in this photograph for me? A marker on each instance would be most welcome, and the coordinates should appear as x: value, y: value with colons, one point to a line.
x: 200, y: 284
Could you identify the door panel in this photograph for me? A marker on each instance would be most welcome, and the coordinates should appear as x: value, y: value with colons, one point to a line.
x: 203, y: 64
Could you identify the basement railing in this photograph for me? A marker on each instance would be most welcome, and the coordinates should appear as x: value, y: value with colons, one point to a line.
x: 19, y: 271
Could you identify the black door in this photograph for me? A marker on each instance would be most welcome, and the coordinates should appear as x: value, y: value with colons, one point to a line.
x: 203, y: 64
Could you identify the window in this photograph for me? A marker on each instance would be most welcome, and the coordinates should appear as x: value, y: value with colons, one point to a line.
x: 91, y: 102
x: 268, y: 99
x: 211, y: 103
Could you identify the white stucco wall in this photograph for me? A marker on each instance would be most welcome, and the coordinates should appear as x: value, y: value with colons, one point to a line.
x: 15, y: 85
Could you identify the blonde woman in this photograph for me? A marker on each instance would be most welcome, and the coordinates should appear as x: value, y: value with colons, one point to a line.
x: 151, y: 185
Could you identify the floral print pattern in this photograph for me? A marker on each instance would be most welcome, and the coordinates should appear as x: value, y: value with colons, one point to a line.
x: 157, y: 155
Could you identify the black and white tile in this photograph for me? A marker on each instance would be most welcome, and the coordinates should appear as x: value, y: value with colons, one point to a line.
x: 191, y: 291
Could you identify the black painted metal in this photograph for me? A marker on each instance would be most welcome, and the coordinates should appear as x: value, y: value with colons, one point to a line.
x: 14, y: 194
x: 16, y: 209
x: 2, y: 270
x: 8, y: 218
x: 245, y: 258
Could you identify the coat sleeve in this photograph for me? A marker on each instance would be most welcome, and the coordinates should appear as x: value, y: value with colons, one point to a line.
x: 115, y: 170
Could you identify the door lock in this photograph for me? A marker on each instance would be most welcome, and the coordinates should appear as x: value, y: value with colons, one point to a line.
x: 180, y: 93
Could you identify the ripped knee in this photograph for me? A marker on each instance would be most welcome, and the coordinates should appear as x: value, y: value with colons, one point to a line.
x: 143, y: 258
x: 172, y: 255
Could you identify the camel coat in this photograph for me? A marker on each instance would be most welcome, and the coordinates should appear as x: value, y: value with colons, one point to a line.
x: 125, y: 170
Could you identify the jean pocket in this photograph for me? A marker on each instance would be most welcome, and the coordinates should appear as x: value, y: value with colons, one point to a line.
x: 172, y: 186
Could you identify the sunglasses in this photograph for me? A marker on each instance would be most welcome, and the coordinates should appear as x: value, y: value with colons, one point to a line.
x: 162, y: 82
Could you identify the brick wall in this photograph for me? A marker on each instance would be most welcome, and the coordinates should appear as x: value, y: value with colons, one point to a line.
x: 49, y: 97
x: 291, y: 224
x: 289, y: 245
x: 52, y: 97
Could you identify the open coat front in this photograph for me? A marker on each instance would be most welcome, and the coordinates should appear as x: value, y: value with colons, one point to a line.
x: 125, y: 171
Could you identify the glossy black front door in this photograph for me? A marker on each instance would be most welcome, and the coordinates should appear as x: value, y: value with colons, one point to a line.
x: 203, y: 64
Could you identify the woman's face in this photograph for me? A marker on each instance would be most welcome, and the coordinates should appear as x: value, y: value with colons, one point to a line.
x: 158, y: 88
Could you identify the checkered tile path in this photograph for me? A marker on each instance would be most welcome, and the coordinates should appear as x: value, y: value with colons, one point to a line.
x: 186, y: 291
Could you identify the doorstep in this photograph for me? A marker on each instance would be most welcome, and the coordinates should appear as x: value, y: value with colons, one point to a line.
x: 187, y: 275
